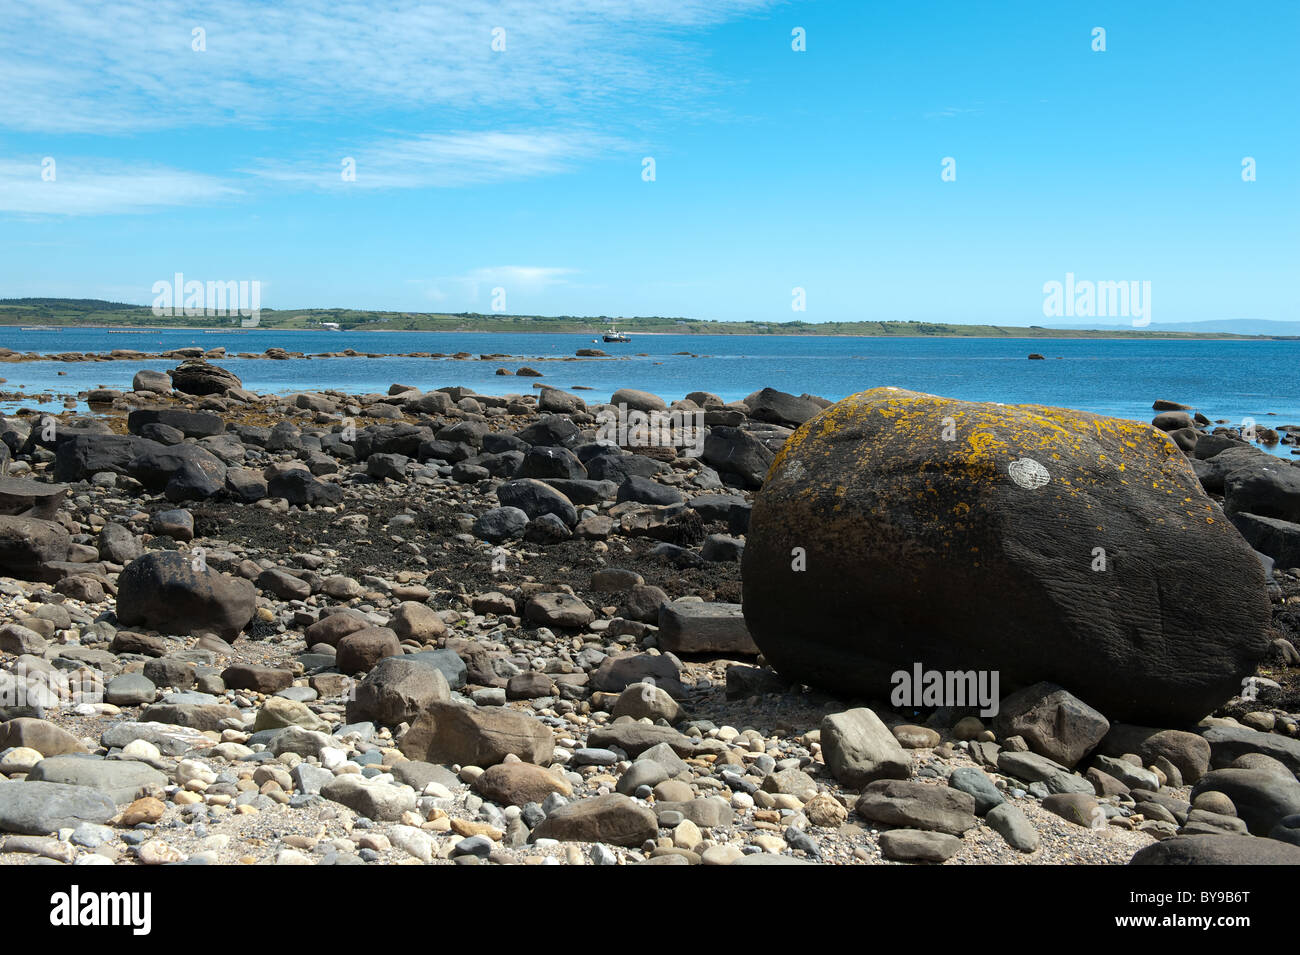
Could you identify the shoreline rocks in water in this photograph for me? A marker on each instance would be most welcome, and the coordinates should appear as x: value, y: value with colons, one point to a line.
x: 447, y: 628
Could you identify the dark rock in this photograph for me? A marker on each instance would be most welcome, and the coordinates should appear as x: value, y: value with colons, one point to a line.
x: 298, y: 486
x: 1277, y: 538
x: 687, y: 626
x: 192, y: 424
x: 780, y: 408
x: 197, y: 377
x: 551, y: 462
x: 1053, y: 722
x: 29, y: 545
x: 500, y: 524
x: 869, y: 490
x: 1228, y: 743
x: 736, y: 452
x: 1217, y: 850
x: 645, y: 491
x: 535, y: 499
x: 1263, y: 799
x: 172, y: 593
x: 1272, y: 490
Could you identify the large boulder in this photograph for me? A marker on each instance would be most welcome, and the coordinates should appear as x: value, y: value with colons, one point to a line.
x: 197, y: 377
x: 1047, y: 544
x: 737, y: 454
x: 1271, y: 490
x: 175, y: 593
x: 157, y: 382
x: 535, y: 499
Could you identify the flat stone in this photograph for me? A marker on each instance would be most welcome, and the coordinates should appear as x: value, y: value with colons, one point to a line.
x: 123, y: 781
x: 452, y: 733
x: 896, y: 802
x: 40, y: 808
x: 916, y: 845
x: 40, y: 735
x: 1218, y: 850
x: 519, y: 783
x: 691, y: 626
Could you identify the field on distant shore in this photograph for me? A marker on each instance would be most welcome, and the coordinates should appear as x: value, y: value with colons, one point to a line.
x: 93, y: 312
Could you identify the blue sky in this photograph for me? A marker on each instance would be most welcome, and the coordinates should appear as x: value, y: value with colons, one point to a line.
x: 775, y: 169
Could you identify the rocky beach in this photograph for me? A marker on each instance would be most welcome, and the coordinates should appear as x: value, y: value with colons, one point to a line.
x: 430, y: 626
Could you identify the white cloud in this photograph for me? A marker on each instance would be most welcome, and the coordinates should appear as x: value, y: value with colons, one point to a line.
x: 127, y: 65
x: 82, y: 187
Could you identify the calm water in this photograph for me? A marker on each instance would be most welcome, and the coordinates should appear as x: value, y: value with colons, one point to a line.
x: 1224, y: 379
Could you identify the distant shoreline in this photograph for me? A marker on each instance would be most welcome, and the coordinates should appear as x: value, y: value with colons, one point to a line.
x: 1089, y: 334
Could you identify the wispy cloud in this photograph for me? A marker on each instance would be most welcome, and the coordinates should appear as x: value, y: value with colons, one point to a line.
x: 440, y: 160
x: 951, y: 112
x: 130, y: 65
x: 81, y: 187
